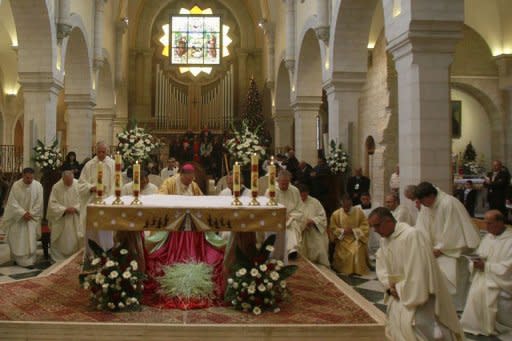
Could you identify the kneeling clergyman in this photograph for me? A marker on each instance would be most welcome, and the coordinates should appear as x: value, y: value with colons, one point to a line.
x: 349, y: 229
x: 489, y: 305
x: 64, y: 217
x: 419, y: 304
x: 22, y: 218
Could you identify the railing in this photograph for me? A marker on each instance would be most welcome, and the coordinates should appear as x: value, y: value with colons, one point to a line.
x: 11, y: 158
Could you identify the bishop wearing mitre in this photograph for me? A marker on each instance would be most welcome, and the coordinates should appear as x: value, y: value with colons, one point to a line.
x: 64, y: 217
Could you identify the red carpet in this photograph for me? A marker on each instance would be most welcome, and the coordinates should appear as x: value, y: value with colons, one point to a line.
x: 58, y: 297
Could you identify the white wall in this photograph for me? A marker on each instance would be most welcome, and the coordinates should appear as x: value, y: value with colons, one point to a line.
x: 476, y: 128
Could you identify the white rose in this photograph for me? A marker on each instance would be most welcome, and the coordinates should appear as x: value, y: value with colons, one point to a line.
x: 120, y: 305
x: 251, y: 290
x: 254, y: 272
x: 263, y: 267
x: 111, y: 305
x: 123, y: 252
x: 105, y: 286
x: 256, y: 311
x: 235, y: 285
x: 280, y: 263
x: 230, y: 281
x: 283, y: 284
x: 242, y: 271
x: 246, y: 305
x: 126, y: 274
x: 134, y: 265
x: 113, y: 274
x: 96, y: 261
x: 277, y: 310
x: 86, y: 285
x: 270, y: 286
x: 261, y: 287
x: 109, y: 264
x: 274, y: 275
x: 269, y: 248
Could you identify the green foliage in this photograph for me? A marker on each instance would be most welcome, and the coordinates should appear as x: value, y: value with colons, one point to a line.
x: 187, y: 281
x: 469, y: 153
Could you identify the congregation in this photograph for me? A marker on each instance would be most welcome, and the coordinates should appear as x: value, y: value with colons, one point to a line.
x: 426, y: 251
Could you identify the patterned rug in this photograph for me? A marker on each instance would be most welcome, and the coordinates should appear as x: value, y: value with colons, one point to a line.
x: 58, y: 297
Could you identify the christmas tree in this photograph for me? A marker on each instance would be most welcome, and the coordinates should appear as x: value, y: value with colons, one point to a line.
x: 253, y: 108
x: 469, y: 153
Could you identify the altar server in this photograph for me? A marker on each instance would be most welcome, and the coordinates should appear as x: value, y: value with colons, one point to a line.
x: 349, y: 229
x: 22, y: 218
x: 419, y: 305
x: 315, y: 243
x: 146, y: 187
x: 64, y: 218
x: 489, y: 305
x: 87, y: 182
x: 451, y: 234
x: 289, y: 196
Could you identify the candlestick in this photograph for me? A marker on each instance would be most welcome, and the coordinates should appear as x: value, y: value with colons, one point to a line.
x: 272, y: 183
x: 136, y: 184
x: 236, y: 185
x: 117, y: 180
x: 254, y: 180
x: 99, y: 184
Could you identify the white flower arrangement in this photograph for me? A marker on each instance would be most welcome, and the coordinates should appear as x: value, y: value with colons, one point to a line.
x: 338, y: 159
x: 136, y: 145
x: 244, y: 144
x: 473, y: 168
x: 47, y: 157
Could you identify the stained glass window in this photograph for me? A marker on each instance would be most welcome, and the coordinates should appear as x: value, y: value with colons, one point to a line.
x: 195, y: 40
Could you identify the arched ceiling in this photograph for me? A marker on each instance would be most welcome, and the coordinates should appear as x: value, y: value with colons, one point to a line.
x: 8, y: 39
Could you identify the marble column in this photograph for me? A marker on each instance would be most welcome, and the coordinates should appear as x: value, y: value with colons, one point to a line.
x: 343, y: 95
x: 104, y: 124
x: 40, y: 112
x: 305, y: 112
x: 283, y: 128
x: 322, y: 14
x: 98, y: 33
x: 79, y: 129
x: 422, y: 59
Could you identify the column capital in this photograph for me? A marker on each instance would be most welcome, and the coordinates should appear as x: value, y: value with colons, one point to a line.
x: 80, y: 101
x: 40, y: 82
x: 504, y: 62
x: 427, y: 37
x: 345, y: 82
x: 282, y: 114
x: 104, y: 113
x: 322, y: 33
x: 306, y: 103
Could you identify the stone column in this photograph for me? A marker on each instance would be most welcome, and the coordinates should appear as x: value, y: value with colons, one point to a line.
x: 63, y: 24
x: 322, y: 16
x: 290, y: 35
x: 79, y: 129
x: 422, y: 59
x: 40, y: 111
x: 121, y: 29
x: 283, y: 128
x: 104, y: 127
x: 98, y: 33
x: 343, y: 95
x: 305, y: 112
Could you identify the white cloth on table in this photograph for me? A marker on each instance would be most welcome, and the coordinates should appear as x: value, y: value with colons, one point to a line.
x: 67, y: 232
x: 88, y: 179
x: 22, y: 235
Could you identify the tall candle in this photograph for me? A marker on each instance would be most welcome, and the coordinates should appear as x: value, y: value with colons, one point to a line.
x: 236, y: 178
x: 272, y: 178
x: 254, y: 174
x: 99, y: 178
x: 136, y: 177
x: 118, y: 165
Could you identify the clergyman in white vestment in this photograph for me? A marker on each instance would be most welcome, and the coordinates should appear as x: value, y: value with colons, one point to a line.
x: 489, y: 304
x: 315, y: 242
x: 22, y: 218
x: 451, y: 233
x: 87, y: 182
x: 289, y: 196
x: 419, y: 304
x: 146, y: 187
x: 400, y: 212
x: 63, y: 214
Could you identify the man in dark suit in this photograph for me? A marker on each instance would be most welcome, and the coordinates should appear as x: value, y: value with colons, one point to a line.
x: 467, y: 196
x: 356, y: 185
x: 497, y: 183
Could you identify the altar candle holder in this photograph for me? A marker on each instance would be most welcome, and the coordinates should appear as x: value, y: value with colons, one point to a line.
x: 117, y: 181
x: 99, y: 184
x: 272, y: 183
x: 236, y: 185
x: 136, y: 184
x: 254, y: 180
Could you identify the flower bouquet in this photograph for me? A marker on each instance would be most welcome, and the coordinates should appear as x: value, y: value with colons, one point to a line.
x: 244, y: 143
x: 338, y: 159
x: 258, y: 283
x: 114, y: 280
x: 136, y: 145
x: 47, y: 157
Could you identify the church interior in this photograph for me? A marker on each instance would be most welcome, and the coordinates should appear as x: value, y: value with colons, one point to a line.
x: 423, y: 86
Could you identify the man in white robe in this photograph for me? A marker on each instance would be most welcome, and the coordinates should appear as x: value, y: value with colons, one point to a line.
x: 171, y: 169
x: 374, y: 239
x: 419, y: 305
x: 412, y: 204
x: 451, y: 233
x: 400, y: 212
x: 22, y: 218
x: 228, y: 191
x: 64, y: 218
x: 289, y: 196
x: 87, y: 183
x: 146, y: 187
x: 315, y: 242
x: 489, y: 305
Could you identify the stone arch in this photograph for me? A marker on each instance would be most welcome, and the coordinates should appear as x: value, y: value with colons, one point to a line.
x: 308, y: 75
x: 495, y: 117
x: 105, y: 86
x: 349, y: 35
x: 282, y: 111
x: 283, y: 89
x: 77, y: 63
x: 36, y: 37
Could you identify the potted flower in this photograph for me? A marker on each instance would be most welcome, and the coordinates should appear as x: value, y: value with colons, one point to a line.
x: 136, y: 144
